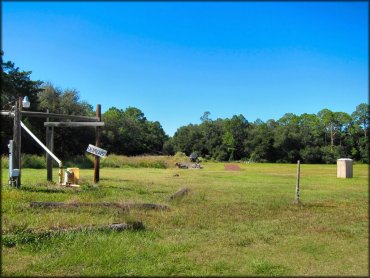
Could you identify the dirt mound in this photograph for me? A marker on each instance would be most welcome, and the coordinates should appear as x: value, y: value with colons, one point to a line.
x: 232, y: 167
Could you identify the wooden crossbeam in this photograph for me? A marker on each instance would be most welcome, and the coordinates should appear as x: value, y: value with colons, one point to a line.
x: 73, y: 124
x: 59, y: 116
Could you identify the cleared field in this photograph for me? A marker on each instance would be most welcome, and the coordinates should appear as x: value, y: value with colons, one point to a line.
x: 230, y: 223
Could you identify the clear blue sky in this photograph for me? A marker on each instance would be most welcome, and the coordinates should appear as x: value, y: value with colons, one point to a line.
x: 176, y: 60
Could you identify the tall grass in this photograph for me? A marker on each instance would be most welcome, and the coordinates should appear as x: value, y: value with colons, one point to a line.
x: 27, y: 161
x: 119, y: 161
x: 111, y: 161
x: 232, y: 223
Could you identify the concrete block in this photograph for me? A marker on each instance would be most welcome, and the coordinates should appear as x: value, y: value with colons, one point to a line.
x: 344, y: 168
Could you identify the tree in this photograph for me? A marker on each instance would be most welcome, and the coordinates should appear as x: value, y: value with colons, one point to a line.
x: 260, y: 142
x: 49, y: 98
x: 14, y: 84
x: 342, y: 121
x: 327, y: 119
x: 205, y: 117
x: 68, y: 141
x: 188, y: 139
x: 237, y: 126
x: 129, y: 132
x: 361, y: 117
x: 287, y: 139
x: 211, y: 137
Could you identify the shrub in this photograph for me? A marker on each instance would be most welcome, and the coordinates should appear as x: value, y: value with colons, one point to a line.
x: 120, y: 161
x: 180, y: 155
x: 80, y: 161
x: 33, y: 161
x: 4, y: 161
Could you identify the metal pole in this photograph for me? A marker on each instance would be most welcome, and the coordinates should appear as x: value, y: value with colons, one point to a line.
x: 297, y: 201
x: 40, y: 143
x: 97, y: 143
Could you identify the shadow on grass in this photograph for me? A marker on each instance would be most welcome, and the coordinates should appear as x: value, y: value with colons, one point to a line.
x: 114, y: 179
x: 47, y: 189
x: 319, y: 205
x: 28, y: 236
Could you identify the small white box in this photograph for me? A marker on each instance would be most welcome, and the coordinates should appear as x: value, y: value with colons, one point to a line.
x: 344, y: 168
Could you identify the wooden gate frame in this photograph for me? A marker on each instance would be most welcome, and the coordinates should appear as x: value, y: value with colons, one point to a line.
x: 87, y: 122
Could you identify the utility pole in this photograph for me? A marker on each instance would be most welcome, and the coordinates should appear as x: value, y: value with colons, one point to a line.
x: 17, y: 139
x: 97, y: 143
x: 50, y: 146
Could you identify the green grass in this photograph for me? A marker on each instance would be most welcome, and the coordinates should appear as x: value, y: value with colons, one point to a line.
x: 231, y: 223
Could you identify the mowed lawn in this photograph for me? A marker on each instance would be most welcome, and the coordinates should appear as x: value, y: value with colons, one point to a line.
x: 230, y: 223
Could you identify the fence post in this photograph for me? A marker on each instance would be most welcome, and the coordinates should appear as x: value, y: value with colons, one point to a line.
x: 297, y: 201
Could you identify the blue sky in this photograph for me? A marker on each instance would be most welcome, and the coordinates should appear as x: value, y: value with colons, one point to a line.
x: 176, y: 60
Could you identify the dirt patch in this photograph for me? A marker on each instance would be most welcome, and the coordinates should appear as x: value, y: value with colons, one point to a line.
x: 232, y: 167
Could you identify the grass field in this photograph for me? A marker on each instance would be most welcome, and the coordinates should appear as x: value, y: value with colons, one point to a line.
x: 230, y: 223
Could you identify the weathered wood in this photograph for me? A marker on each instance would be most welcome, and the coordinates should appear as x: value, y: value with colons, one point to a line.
x: 59, y: 116
x: 68, y: 205
x: 97, y: 144
x: 7, y: 113
x: 149, y: 206
x: 30, y: 235
x: 179, y: 193
x: 181, y: 165
x: 50, y: 146
x: 74, y: 124
x: 124, y: 206
x: 17, y: 139
x: 297, y: 201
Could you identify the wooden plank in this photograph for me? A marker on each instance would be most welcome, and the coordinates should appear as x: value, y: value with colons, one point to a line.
x: 179, y: 193
x: 59, y: 116
x: 73, y: 124
x: 11, y: 240
x: 124, y: 206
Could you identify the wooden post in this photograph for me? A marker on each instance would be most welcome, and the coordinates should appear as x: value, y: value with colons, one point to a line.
x: 97, y: 143
x: 297, y: 201
x: 50, y: 146
x: 17, y: 139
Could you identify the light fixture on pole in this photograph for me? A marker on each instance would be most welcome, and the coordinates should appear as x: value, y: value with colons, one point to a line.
x: 26, y: 103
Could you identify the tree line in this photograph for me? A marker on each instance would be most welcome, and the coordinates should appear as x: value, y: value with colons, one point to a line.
x: 311, y: 138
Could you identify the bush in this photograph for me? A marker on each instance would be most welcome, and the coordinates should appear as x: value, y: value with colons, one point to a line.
x: 330, y: 154
x: 180, y: 155
x: 120, y: 161
x: 311, y: 154
x: 33, y: 161
x: 4, y: 161
x: 80, y: 161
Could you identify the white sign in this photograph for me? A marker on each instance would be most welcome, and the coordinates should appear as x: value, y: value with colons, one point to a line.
x: 97, y: 151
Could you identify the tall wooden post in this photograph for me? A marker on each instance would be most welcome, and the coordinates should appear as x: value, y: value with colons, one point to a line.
x: 97, y: 143
x: 297, y: 201
x: 50, y: 146
x: 17, y: 139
